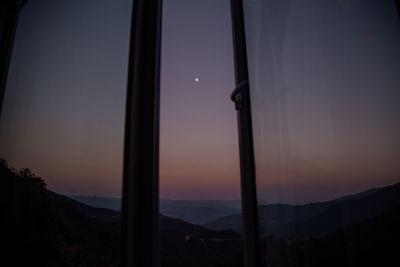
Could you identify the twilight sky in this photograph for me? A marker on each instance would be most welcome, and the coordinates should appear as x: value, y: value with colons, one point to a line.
x: 199, y: 151
x: 324, y: 75
x: 65, y: 101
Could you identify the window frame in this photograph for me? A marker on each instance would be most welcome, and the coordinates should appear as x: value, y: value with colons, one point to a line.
x: 8, y: 27
x: 140, y: 189
x: 241, y: 97
x: 141, y: 144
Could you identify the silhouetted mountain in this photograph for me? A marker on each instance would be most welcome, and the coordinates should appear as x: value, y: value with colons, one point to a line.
x: 371, y: 243
x: 112, y: 203
x: 197, y: 215
x: 194, y: 211
x: 236, y: 204
x: 359, y: 195
x: 317, y: 218
x: 185, y: 244
x: 43, y: 228
x: 274, y: 214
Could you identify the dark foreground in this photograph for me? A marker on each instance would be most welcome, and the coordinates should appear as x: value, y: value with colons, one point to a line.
x: 42, y: 228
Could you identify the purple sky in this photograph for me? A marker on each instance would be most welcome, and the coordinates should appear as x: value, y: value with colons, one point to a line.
x: 325, y: 91
x: 64, y: 106
x: 199, y: 151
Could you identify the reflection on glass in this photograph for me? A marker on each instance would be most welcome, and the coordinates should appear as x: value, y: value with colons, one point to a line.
x: 63, y: 118
x: 324, y: 79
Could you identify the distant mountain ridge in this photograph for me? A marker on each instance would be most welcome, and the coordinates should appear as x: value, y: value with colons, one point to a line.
x: 225, y: 214
x: 193, y: 211
x: 317, y: 218
x: 112, y: 203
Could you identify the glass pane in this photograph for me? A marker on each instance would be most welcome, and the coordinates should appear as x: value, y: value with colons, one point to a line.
x: 324, y: 81
x: 63, y: 118
x: 199, y: 161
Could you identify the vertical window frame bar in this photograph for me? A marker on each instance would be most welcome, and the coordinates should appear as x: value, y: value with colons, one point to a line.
x: 241, y: 97
x: 140, y: 196
x: 8, y: 27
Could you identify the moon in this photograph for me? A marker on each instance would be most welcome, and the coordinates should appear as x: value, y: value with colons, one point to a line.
x: 196, y: 80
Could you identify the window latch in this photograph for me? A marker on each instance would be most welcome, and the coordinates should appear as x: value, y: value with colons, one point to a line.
x: 237, y: 94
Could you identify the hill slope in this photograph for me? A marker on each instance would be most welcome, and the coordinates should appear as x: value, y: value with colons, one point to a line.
x: 193, y: 211
x: 317, y: 218
x: 371, y: 243
x: 42, y: 228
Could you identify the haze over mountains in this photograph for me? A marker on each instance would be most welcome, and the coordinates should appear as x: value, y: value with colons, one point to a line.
x: 193, y: 211
x: 278, y: 219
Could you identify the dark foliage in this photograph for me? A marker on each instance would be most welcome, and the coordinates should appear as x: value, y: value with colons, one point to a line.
x: 185, y: 244
x: 42, y: 228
